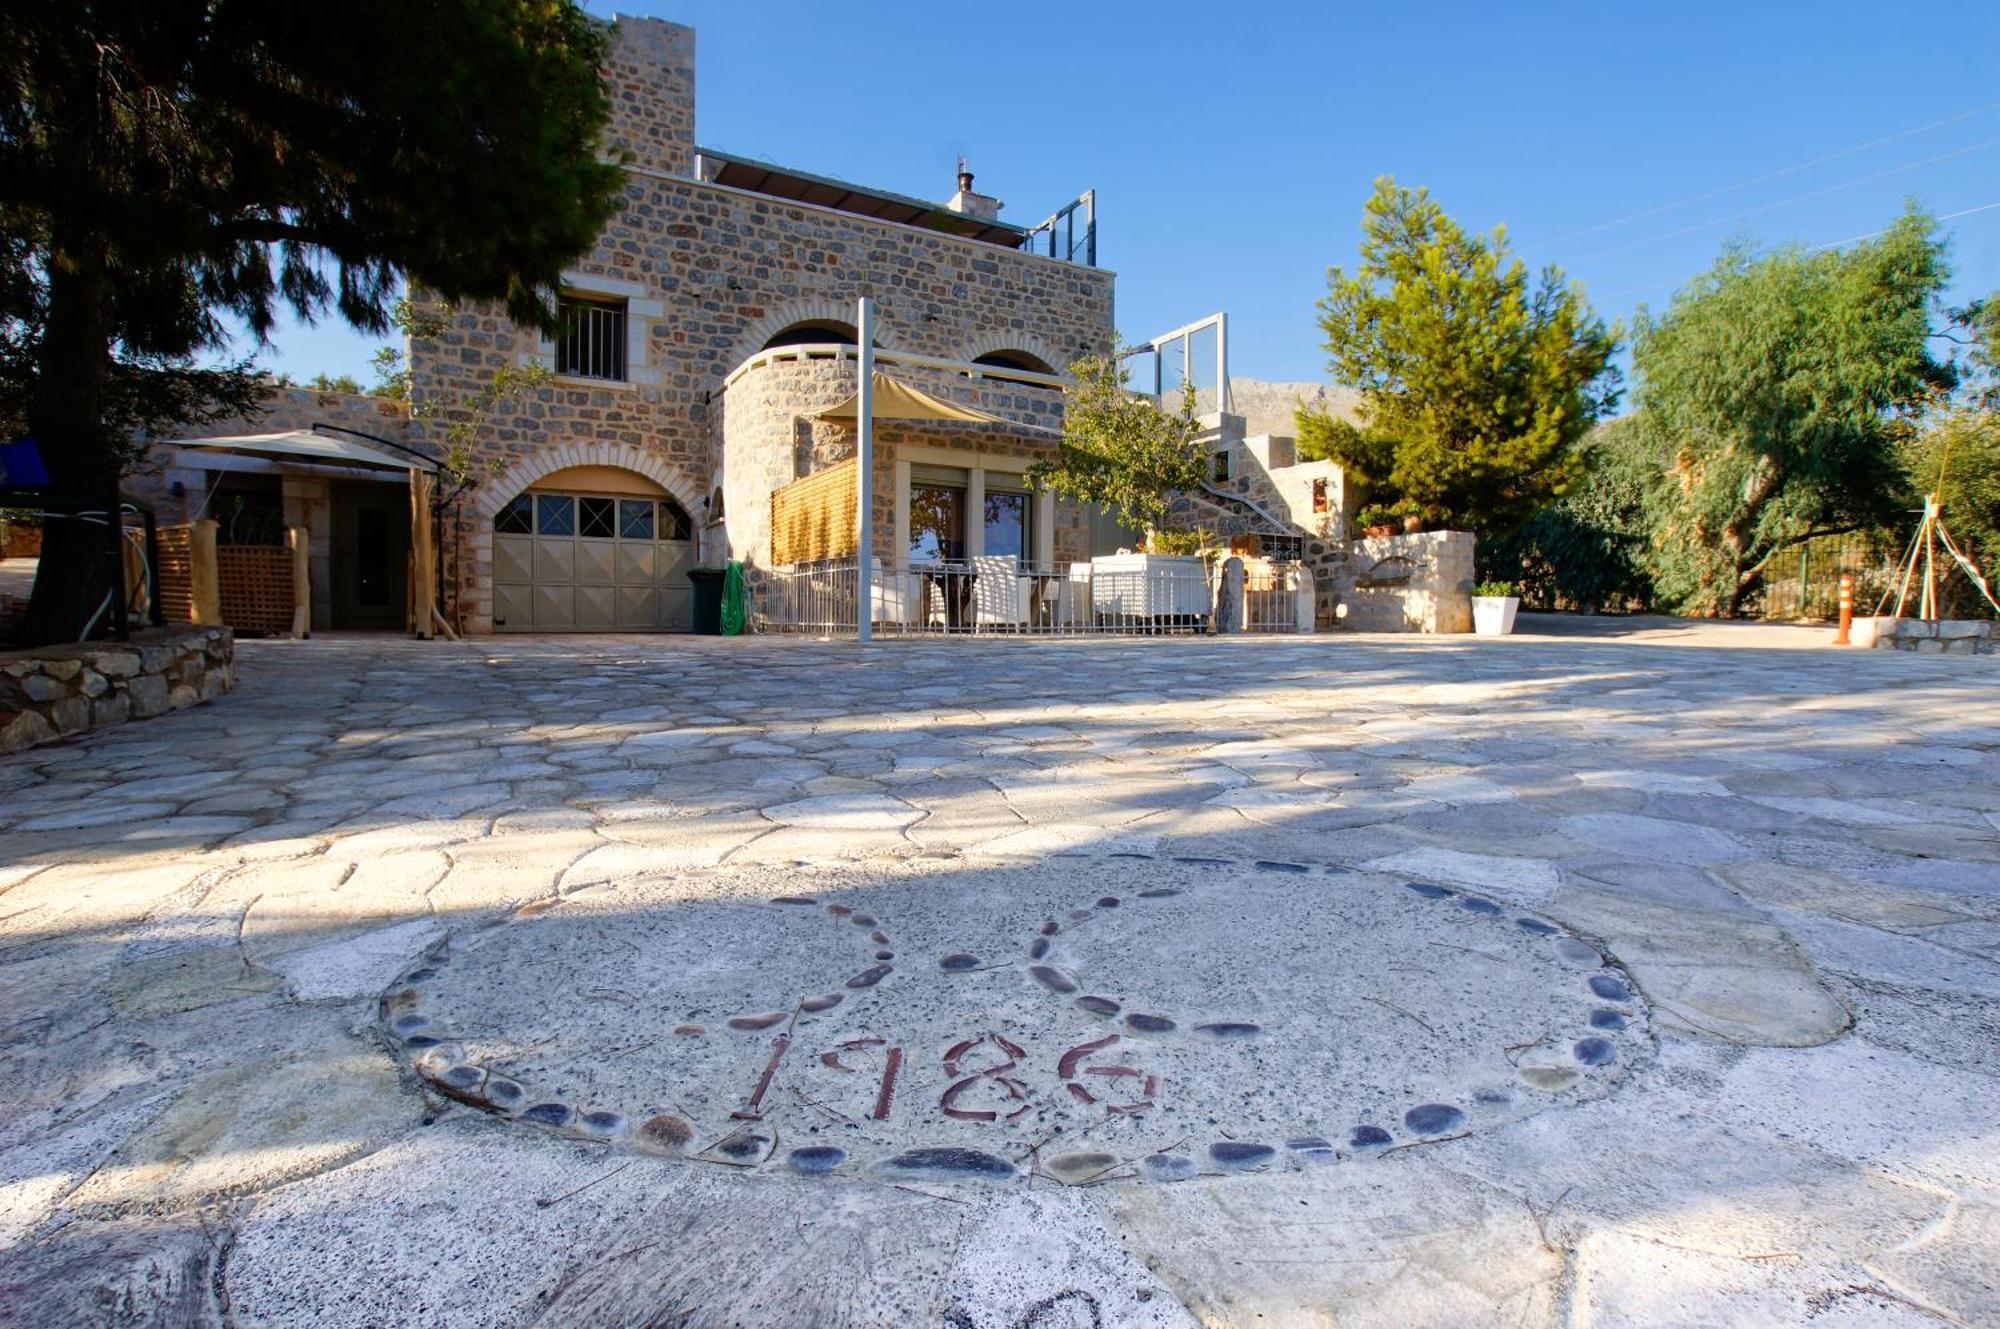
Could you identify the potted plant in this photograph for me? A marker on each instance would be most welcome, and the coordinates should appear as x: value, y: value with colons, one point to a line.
x: 1411, y: 516
x: 1376, y: 520
x: 1494, y: 604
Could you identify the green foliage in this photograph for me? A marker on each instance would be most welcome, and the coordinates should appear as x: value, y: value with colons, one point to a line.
x: 1495, y: 589
x: 1120, y: 450
x: 1180, y: 542
x: 1781, y: 386
x: 1588, y: 549
x: 1477, y: 382
x: 168, y: 165
x: 333, y: 383
x: 1974, y: 332
x: 1377, y: 514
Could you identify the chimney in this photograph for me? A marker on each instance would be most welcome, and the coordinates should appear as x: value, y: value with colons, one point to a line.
x: 983, y: 206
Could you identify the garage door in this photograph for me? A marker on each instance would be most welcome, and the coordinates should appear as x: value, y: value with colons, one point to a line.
x: 566, y: 562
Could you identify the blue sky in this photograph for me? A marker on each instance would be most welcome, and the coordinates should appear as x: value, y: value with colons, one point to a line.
x: 1232, y: 145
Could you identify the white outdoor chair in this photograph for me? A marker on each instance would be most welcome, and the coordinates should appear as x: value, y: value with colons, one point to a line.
x: 999, y: 594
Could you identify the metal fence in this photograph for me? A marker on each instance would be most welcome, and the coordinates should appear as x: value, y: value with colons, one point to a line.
x: 1129, y: 595
x: 1805, y: 583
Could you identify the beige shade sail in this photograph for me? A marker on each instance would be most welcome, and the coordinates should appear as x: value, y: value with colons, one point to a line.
x: 897, y: 400
x: 305, y: 446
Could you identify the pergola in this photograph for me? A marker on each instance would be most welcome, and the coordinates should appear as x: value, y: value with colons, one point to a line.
x: 333, y: 454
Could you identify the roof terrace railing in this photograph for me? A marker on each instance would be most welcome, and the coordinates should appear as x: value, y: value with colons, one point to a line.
x: 1063, y: 236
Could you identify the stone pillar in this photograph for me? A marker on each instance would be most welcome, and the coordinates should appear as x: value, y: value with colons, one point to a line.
x: 1305, y: 599
x: 1229, y: 598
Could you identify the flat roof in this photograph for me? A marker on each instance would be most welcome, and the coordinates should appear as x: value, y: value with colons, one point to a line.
x: 762, y: 177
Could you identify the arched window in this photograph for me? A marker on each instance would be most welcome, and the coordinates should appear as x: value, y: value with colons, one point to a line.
x: 674, y: 523
x: 1033, y: 364
x: 816, y: 332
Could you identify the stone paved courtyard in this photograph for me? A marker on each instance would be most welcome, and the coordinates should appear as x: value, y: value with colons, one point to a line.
x: 1641, y: 979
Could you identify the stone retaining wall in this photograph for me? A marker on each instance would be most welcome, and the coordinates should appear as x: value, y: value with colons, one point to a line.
x: 1408, y: 583
x: 57, y: 691
x: 1952, y: 636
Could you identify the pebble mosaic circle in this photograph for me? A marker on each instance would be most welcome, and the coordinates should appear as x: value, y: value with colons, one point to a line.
x: 1125, y: 1020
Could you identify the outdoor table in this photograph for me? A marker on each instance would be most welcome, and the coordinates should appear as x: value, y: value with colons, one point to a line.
x: 955, y: 586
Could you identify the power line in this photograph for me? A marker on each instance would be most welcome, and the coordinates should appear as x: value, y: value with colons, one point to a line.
x: 1788, y: 202
x: 1857, y: 239
x: 1779, y: 174
x: 1816, y: 249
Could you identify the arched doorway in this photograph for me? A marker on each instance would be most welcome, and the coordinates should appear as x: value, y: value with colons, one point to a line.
x: 592, y: 549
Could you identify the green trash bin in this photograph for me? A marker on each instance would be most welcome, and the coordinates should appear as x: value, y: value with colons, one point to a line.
x: 707, y: 584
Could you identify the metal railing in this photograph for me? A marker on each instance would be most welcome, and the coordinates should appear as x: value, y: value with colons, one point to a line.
x: 1062, y: 236
x: 1126, y: 595
x: 1162, y: 364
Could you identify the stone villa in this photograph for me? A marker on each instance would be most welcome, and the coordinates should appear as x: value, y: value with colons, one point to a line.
x: 706, y: 339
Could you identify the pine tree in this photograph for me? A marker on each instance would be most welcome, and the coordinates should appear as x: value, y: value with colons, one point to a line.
x: 1476, y: 383
x: 168, y: 164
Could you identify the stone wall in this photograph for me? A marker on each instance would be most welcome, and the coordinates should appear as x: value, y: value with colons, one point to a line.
x: 650, y: 79
x: 56, y: 691
x: 708, y: 273
x: 1951, y: 636
x: 1407, y: 583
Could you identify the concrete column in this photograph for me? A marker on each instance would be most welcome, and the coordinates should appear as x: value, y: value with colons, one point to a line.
x: 975, y: 512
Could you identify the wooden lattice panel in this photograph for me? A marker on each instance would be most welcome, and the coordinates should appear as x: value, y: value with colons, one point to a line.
x: 176, y: 572
x: 256, y: 585
x: 813, y: 519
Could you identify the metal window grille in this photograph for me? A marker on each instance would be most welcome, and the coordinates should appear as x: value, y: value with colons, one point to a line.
x: 592, y: 341
x: 1069, y: 234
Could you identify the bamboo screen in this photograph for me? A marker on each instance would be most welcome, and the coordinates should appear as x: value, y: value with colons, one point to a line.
x: 176, y: 575
x: 813, y: 519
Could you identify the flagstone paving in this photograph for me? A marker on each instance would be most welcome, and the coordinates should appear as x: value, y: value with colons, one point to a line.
x: 1015, y: 985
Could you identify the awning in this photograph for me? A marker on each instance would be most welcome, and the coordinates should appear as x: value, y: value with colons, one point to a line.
x: 303, y: 445
x: 897, y: 400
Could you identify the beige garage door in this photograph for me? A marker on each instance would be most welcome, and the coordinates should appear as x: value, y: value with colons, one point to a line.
x: 565, y: 562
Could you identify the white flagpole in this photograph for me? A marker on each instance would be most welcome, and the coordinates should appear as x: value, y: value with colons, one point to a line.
x: 864, y: 481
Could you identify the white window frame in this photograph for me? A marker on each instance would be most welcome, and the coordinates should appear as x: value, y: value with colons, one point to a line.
x: 642, y: 311
x: 1042, y: 526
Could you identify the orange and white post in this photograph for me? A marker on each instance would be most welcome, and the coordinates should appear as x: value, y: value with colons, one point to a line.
x: 1846, y: 608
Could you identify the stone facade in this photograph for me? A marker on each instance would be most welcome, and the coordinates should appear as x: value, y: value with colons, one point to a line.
x: 779, y: 398
x: 53, y: 692
x: 707, y: 274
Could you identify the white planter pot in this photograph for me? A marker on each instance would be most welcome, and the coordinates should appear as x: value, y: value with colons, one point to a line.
x: 1493, y: 615
x: 1149, y: 586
